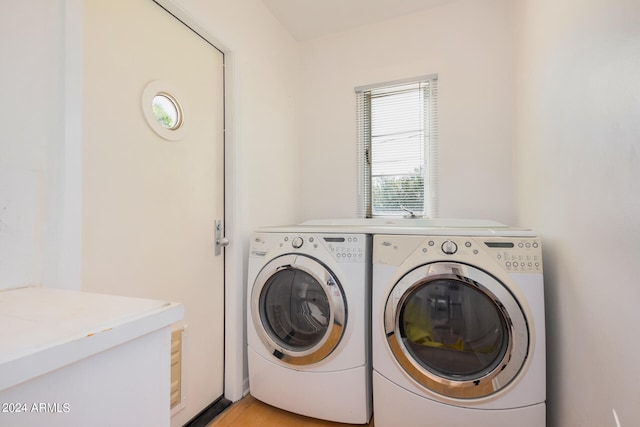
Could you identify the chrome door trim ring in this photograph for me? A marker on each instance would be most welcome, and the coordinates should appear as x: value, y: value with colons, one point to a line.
x: 337, y: 303
x: 517, y: 330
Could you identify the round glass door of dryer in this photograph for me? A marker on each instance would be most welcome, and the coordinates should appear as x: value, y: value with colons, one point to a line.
x: 299, y: 309
x: 456, y: 330
x: 453, y: 330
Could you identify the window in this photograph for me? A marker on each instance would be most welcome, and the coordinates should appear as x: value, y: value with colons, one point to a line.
x: 163, y: 111
x: 166, y: 111
x: 397, y: 143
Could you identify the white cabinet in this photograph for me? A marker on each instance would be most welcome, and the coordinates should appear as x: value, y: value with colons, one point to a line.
x: 73, y: 359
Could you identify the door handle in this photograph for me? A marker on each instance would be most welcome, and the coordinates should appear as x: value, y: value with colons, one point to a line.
x: 221, y: 241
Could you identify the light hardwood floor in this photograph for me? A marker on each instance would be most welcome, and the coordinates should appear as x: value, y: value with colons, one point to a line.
x: 250, y: 412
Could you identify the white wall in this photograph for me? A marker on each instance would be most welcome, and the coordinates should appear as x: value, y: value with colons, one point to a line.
x: 578, y: 173
x: 31, y: 119
x: 469, y: 44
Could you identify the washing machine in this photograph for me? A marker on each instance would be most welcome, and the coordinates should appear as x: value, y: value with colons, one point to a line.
x: 458, y: 328
x: 308, y: 322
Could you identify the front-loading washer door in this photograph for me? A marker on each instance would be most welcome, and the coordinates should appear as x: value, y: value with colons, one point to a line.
x: 456, y: 330
x: 298, y: 309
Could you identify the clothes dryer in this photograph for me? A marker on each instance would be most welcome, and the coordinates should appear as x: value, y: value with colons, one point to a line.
x: 458, y: 332
x: 308, y: 322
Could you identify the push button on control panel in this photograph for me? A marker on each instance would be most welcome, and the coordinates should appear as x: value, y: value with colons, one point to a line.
x: 349, y: 253
x: 347, y: 249
x: 518, y: 257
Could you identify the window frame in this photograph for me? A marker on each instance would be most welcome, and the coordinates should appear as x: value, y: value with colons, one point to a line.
x: 364, y: 142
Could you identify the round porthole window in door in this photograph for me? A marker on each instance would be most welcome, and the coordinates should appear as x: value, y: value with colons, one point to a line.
x: 163, y: 110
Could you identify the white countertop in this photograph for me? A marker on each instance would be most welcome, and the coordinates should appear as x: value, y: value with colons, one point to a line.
x: 44, y: 329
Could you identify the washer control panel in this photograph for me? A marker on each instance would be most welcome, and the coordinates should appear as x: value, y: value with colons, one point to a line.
x: 343, y: 248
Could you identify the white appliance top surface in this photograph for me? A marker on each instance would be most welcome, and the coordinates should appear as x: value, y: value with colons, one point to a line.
x: 414, y: 226
x: 42, y: 329
x: 409, y: 222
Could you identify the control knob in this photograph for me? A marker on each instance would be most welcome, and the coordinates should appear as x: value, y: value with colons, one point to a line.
x: 449, y: 247
x: 297, y: 242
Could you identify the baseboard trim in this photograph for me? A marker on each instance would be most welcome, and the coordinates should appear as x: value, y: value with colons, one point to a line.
x: 209, y: 413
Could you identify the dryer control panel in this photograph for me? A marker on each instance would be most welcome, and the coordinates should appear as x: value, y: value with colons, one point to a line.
x: 513, y: 254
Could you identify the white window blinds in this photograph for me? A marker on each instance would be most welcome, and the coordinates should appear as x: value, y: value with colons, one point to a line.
x: 397, y: 142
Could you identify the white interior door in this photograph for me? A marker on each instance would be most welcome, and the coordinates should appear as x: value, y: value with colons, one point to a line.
x: 151, y: 194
